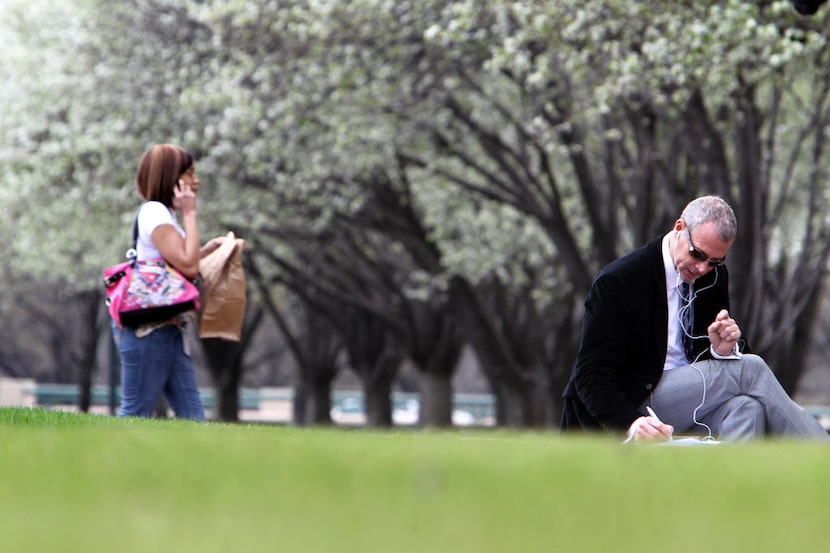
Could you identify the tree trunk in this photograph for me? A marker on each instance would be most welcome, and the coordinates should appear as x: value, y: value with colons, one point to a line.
x: 298, y: 405
x: 93, y: 319
x: 521, y: 403
x: 317, y: 402
x: 492, y: 331
x: 436, y: 400
x: 510, y: 411
x: 378, y: 393
x: 792, y: 352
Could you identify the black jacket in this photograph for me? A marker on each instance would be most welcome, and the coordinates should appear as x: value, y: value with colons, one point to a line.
x: 625, y: 338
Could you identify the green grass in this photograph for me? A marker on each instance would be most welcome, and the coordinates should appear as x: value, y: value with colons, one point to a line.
x: 71, y: 482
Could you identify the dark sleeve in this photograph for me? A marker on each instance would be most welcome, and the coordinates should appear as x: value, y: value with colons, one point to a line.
x: 604, y: 357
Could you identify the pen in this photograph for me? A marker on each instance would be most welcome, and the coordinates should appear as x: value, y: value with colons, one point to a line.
x: 634, y: 432
x: 652, y: 413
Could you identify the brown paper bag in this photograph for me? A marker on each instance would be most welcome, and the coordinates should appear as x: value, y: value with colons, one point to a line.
x: 223, y: 291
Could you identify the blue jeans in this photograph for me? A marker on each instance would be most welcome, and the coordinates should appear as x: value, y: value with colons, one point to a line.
x: 153, y: 365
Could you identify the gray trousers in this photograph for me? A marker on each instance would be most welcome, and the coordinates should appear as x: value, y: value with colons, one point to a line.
x: 739, y: 399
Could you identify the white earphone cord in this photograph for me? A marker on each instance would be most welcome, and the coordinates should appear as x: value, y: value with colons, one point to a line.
x: 687, y: 305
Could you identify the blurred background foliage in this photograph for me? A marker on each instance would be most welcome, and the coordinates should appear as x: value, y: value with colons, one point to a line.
x: 415, y: 180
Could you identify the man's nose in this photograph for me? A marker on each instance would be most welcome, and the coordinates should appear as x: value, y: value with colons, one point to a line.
x: 703, y: 267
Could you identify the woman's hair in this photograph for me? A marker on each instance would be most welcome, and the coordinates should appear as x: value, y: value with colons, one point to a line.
x: 711, y: 208
x: 159, y: 171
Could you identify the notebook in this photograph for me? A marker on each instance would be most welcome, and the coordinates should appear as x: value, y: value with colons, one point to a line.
x: 690, y: 440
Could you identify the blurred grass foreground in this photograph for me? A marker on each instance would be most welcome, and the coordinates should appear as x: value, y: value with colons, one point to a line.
x: 76, y: 482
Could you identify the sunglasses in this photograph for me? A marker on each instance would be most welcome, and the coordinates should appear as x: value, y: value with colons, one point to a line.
x: 699, y: 255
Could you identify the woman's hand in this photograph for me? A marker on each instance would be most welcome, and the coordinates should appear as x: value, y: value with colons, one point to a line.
x: 184, y: 198
x: 212, y: 245
x: 181, y: 252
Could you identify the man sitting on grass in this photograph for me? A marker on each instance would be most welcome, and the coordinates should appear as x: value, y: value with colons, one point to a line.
x: 657, y: 334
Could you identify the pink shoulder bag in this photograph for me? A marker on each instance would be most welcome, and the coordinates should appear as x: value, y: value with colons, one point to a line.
x: 150, y: 291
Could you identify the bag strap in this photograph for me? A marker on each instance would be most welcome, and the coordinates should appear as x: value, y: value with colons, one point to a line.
x: 135, y: 231
x: 132, y: 253
x: 135, y: 226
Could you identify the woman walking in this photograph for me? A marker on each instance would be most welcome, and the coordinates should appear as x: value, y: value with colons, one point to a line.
x: 155, y: 359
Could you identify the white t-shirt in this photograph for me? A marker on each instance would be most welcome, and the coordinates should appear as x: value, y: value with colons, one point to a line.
x: 150, y: 216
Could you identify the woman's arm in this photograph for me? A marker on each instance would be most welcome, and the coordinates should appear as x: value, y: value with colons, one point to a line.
x: 182, y: 253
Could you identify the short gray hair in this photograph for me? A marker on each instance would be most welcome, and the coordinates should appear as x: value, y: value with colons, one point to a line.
x: 711, y: 208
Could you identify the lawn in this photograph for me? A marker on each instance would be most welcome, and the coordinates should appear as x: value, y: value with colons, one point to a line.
x: 73, y: 482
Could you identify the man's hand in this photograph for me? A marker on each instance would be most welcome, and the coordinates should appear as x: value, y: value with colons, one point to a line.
x: 650, y: 429
x: 724, y: 333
